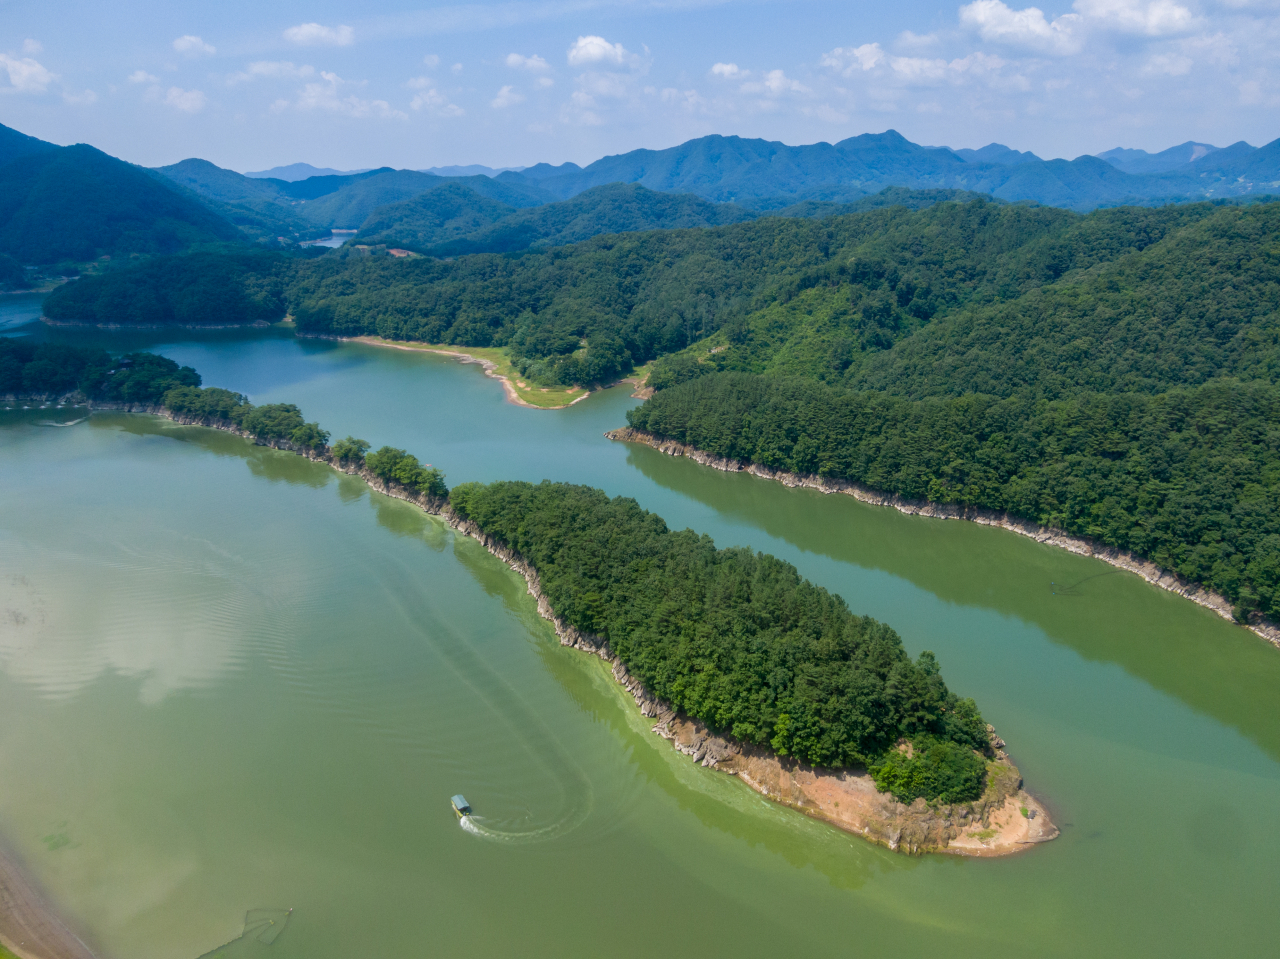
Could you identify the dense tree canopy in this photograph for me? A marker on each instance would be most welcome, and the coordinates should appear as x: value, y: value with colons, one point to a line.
x: 731, y: 637
x: 1189, y: 478
x: 45, y: 369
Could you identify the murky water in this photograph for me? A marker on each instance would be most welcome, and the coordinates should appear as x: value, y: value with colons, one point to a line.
x: 231, y: 680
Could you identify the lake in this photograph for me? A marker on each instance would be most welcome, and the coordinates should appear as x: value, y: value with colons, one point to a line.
x: 233, y: 680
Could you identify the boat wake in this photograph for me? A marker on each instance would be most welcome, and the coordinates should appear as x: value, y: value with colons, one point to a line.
x: 479, y: 826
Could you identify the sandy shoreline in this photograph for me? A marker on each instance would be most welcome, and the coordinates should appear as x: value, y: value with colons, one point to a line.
x: 490, y: 368
x: 29, y: 927
x: 1121, y: 559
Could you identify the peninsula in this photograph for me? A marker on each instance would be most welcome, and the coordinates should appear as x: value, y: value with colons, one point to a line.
x: 743, y: 665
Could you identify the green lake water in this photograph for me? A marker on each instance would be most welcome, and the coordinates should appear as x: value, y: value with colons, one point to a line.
x: 232, y: 680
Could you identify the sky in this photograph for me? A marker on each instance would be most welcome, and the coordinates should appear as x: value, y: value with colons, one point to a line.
x: 251, y: 85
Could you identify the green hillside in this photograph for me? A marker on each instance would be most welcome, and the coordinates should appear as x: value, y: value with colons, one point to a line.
x: 734, y: 638
x: 445, y: 213
x: 77, y: 203
x: 200, y: 289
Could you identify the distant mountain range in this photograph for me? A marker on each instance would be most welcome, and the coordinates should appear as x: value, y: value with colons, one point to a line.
x: 298, y: 171
x: 764, y: 174
x: 77, y: 203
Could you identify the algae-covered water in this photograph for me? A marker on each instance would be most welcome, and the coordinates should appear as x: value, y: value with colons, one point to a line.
x: 231, y: 680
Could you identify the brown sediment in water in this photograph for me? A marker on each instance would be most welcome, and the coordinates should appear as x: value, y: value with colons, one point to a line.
x: 1083, y: 546
x: 29, y: 927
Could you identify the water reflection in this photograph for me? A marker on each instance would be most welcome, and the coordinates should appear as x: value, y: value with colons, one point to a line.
x: 1101, y: 613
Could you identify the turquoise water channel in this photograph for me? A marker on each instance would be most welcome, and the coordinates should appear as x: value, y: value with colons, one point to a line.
x: 232, y: 680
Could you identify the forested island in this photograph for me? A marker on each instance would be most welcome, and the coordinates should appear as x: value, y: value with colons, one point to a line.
x: 769, y: 676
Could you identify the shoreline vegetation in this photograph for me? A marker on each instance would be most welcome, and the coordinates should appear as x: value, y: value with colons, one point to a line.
x: 995, y: 817
x: 496, y: 364
x: 1081, y: 545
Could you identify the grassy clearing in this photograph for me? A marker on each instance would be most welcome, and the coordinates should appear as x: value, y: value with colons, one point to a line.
x: 544, y: 397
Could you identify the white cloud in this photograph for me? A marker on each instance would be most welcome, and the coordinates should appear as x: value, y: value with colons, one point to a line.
x: 190, y: 46
x: 508, y: 96
x: 188, y: 101
x: 141, y: 76
x: 327, y: 94
x: 775, y: 83
x: 431, y: 100
x: 1027, y: 28
x: 83, y: 99
x: 546, y: 82
x: 25, y: 75
x: 271, y: 70
x: 431, y: 60
x: 533, y: 63
x: 318, y: 35
x: 456, y: 68
x: 1154, y: 19
x: 730, y: 71
x: 849, y: 60
x: 689, y: 99
x: 589, y: 50
x: 32, y: 47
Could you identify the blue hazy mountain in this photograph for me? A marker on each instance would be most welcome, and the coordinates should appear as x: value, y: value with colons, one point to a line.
x: 298, y: 171
x: 765, y: 174
x: 1140, y: 161
x: 997, y: 153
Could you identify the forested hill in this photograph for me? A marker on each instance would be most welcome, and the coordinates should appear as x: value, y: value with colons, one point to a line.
x: 77, y: 203
x: 859, y: 299
x: 453, y: 220
x: 1133, y: 399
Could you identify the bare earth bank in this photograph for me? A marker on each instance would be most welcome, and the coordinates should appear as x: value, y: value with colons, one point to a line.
x: 1122, y: 559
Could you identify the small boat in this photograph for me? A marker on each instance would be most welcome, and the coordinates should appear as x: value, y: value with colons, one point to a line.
x: 460, y: 806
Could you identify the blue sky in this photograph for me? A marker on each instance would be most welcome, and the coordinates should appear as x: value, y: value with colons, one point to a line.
x: 253, y: 85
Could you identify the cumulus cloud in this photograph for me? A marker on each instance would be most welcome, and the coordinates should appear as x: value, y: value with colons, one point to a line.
x: 141, y: 76
x: 192, y: 46
x: 318, y: 35
x: 870, y: 58
x: 730, y: 71
x: 546, y: 82
x: 430, y: 100
x: 1155, y: 19
x: 998, y: 23
x: 533, y: 63
x: 508, y: 96
x: 597, y: 50
x: 25, y: 75
x: 774, y: 83
x: 849, y: 60
x: 329, y: 94
x: 271, y: 70
x: 188, y: 101
x: 32, y: 47
x: 431, y: 60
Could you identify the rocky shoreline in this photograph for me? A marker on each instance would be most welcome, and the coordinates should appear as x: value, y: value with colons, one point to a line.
x: 1121, y: 559
x: 1005, y: 820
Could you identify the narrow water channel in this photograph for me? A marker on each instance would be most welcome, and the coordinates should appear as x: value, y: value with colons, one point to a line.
x: 232, y: 680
